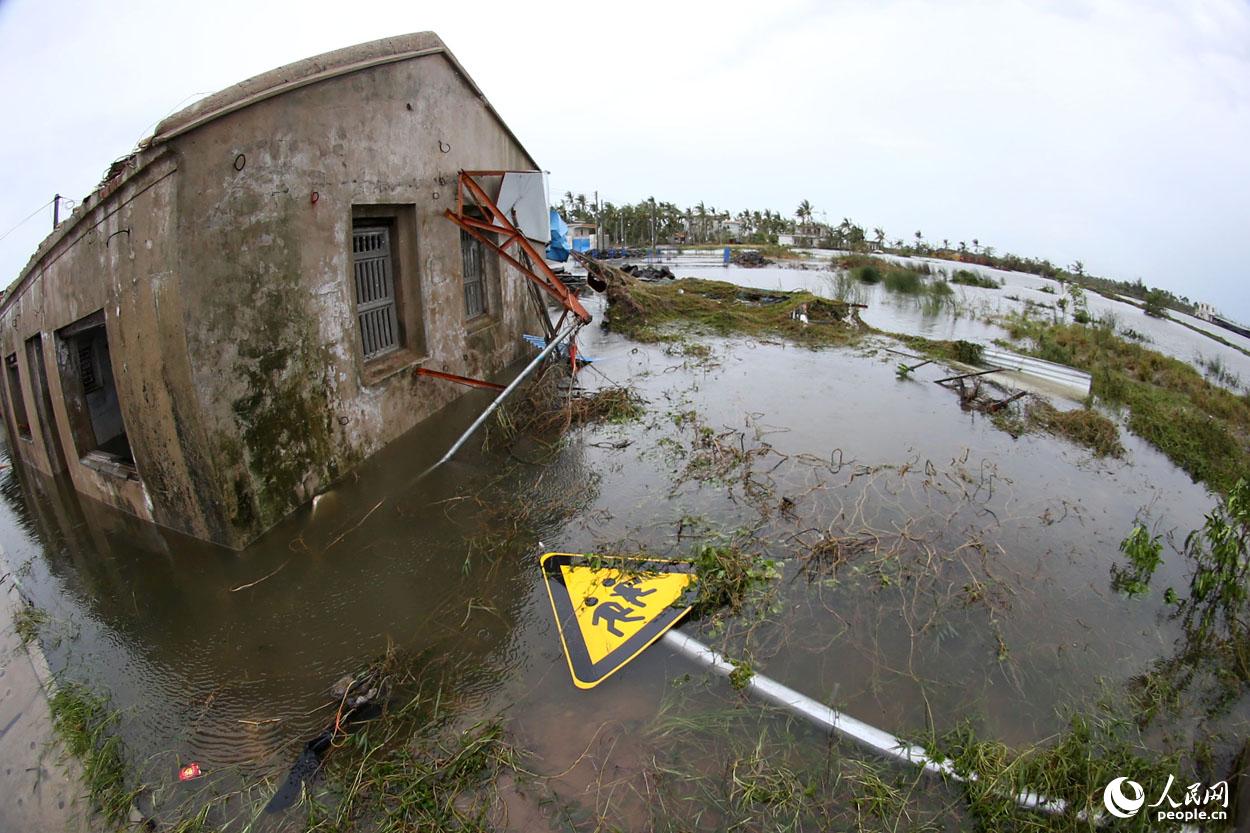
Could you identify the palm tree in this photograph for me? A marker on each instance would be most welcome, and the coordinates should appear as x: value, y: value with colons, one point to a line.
x: 946, y: 244
x: 804, y: 213
x: 1078, y: 268
x: 976, y: 244
x: 879, y: 233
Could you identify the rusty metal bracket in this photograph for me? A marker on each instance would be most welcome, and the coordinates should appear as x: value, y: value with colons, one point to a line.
x: 460, y: 380
x: 499, y: 233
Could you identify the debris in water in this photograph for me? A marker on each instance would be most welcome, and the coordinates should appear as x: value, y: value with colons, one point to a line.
x: 189, y: 772
x: 750, y: 259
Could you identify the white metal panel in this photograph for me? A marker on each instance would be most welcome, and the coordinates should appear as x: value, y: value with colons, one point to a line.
x: 1057, y: 373
x: 523, y: 198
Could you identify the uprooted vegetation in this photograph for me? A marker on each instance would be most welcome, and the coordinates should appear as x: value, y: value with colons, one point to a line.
x: 1200, y: 426
x: 656, y: 312
x: 551, y: 403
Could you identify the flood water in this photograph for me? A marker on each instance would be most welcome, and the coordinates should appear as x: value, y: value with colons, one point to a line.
x: 975, y: 584
x: 963, y: 316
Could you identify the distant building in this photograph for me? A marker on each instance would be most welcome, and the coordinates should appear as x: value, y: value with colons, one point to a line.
x: 785, y: 240
x: 583, y: 237
x: 235, y: 318
x: 1205, y: 311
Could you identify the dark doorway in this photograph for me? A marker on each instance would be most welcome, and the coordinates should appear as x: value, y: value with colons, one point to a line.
x: 91, y: 403
x: 43, y: 403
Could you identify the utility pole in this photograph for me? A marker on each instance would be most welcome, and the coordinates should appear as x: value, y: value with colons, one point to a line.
x: 653, y: 228
x: 56, y: 211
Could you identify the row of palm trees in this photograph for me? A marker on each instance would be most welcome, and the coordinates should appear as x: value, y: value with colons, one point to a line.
x: 639, y: 223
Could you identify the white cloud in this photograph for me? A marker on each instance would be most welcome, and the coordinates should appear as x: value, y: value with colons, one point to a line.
x: 1113, y: 132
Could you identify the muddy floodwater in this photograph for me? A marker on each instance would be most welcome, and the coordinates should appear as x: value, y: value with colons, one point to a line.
x: 971, y: 582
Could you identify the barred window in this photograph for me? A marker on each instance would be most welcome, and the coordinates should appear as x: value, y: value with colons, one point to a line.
x: 473, y: 256
x: 374, y: 272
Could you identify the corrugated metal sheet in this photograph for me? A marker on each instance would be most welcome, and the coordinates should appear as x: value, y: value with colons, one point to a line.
x: 1050, y: 371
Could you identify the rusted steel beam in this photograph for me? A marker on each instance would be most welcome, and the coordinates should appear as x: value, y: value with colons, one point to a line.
x: 461, y: 380
x: 536, y: 270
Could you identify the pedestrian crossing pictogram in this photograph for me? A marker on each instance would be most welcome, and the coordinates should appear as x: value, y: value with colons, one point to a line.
x: 608, y: 609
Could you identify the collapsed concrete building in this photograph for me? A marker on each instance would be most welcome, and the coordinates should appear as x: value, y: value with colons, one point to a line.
x: 236, y: 316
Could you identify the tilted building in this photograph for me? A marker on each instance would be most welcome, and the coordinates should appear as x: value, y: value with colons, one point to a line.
x: 234, y: 318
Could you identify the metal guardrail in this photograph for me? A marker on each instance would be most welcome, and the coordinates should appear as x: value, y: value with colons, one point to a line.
x: 1050, y: 371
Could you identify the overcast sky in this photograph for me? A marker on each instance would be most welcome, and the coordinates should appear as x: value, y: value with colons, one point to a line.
x: 1113, y: 132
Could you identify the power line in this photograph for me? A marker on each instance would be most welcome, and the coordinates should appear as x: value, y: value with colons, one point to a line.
x: 28, y: 218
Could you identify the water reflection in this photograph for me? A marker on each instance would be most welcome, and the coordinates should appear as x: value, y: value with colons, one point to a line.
x: 226, y: 657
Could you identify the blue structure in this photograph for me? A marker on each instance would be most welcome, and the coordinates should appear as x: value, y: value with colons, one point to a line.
x: 557, y: 249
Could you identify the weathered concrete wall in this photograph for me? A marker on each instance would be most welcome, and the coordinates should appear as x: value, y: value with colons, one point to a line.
x: 121, y: 258
x: 230, y: 303
x: 267, y: 272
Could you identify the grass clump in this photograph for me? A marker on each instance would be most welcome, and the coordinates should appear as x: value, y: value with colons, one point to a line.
x: 1076, y: 770
x: 1200, y: 426
x: 28, y: 621
x: 651, y: 312
x: 84, y: 724
x: 1082, y: 426
x: 966, y: 277
x: 867, y: 274
x: 904, y: 281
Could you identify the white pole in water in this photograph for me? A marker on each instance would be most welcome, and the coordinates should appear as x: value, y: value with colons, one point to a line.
x: 870, y: 737
x: 505, y: 393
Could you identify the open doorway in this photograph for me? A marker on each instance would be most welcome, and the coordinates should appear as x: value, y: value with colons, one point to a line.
x: 91, y: 402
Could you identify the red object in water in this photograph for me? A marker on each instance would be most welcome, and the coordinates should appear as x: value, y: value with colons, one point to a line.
x: 189, y: 771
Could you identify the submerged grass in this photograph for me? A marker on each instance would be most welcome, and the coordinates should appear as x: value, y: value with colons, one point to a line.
x: 1075, y: 769
x: 1082, y: 426
x: 1200, y: 426
x: 967, y: 277
x: 28, y: 621
x: 85, y: 725
x: 421, y: 765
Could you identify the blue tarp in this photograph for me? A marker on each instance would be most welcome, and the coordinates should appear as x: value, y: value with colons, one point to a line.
x: 557, y: 249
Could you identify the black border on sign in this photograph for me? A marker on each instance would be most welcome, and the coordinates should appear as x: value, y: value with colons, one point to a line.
x: 587, y: 674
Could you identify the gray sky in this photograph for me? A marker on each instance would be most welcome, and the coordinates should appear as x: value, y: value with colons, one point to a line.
x: 1113, y: 132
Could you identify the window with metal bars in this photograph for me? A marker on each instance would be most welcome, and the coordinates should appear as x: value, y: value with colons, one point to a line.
x: 473, y: 258
x: 373, y: 270
x: 87, y: 368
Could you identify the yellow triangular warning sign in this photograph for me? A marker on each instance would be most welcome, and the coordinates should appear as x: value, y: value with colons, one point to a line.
x: 609, y: 609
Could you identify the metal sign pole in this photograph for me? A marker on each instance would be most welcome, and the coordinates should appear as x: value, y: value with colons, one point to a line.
x: 529, y: 368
